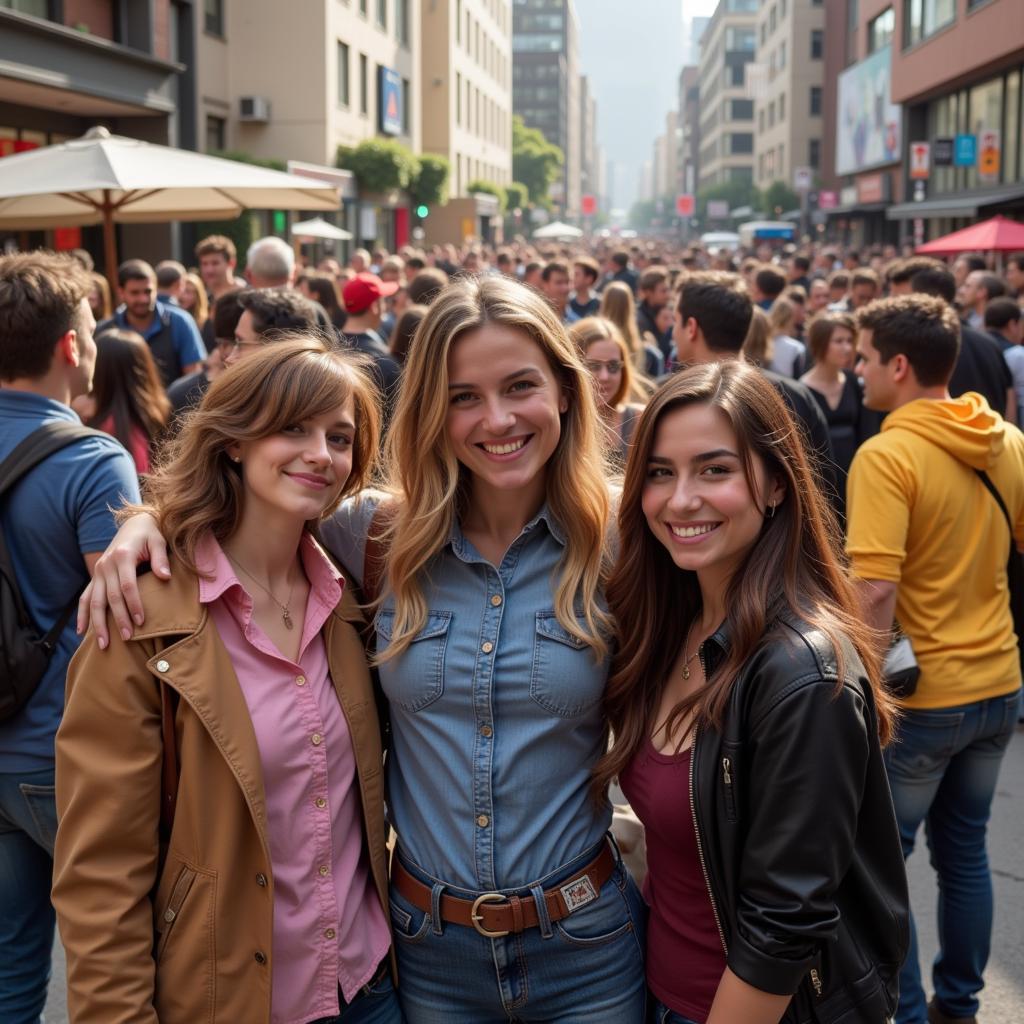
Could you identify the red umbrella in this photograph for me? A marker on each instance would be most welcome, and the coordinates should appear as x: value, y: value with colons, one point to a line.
x: 1000, y: 234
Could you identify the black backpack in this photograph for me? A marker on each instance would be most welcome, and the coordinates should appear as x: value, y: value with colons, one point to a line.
x: 24, y: 653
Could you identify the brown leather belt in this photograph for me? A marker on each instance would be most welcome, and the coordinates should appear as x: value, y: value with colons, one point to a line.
x: 494, y: 914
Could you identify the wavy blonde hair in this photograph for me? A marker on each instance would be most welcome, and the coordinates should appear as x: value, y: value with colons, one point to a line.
x: 198, y: 489
x: 757, y: 345
x: 430, y: 486
x: 619, y: 306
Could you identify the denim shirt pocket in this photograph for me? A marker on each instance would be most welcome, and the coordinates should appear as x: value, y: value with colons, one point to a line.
x: 566, y: 680
x: 415, y: 678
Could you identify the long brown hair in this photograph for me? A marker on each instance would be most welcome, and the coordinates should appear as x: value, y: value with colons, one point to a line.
x: 592, y: 329
x: 618, y: 305
x: 795, y: 566
x: 126, y: 386
x: 199, y: 489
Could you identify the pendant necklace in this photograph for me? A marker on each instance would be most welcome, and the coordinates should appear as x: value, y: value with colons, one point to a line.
x: 286, y: 614
x: 686, y: 664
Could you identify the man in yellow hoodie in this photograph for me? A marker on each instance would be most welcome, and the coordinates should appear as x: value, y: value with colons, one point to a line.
x: 929, y: 545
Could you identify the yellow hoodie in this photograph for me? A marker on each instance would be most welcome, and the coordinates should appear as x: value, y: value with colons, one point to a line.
x: 920, y: 517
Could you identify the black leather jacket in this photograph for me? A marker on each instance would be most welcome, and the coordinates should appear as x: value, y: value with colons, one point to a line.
x: 797, y: 834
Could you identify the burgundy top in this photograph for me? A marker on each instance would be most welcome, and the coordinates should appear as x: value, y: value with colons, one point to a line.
x: 685, y: 958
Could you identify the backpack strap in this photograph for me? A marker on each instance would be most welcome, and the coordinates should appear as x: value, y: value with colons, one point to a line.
x: 994, y: 491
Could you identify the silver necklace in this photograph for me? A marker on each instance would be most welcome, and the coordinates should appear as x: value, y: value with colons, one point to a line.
x: 286, y: 615
x: 686, y: 663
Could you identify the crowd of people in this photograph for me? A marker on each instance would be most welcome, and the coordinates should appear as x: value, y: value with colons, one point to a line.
x: 443, y: 544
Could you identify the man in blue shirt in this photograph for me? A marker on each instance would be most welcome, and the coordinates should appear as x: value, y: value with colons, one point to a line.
x: 171, y: 333
x: 56, y: 521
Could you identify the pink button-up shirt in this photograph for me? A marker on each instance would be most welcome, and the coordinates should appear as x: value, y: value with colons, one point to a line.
x: 329, y: 928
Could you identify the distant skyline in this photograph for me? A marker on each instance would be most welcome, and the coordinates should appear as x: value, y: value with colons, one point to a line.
x: 633, y: 66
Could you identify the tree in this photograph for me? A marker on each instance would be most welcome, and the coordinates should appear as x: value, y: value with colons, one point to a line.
x: 517, y: 195
x: 779, y: 197
x: 379, y: 165
x: 430, y: 187
x: 735, y: 193
x: 489, y: 188
x: 535, y: 161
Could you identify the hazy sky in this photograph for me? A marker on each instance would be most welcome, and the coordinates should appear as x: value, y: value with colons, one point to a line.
x: 632, y: 53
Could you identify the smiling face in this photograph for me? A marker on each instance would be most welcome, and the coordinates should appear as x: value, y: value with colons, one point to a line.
x: 298, y: 473
x: 504, y: 409
x: 697, y: 500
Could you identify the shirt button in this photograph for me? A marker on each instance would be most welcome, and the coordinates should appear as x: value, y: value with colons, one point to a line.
x: 261, y: 880
x: 329, y: 934
x: 483, y: 821
x: 486, y: 731
x: 163, y: 666
x: 496, y: 600
x: 259, y: 957
x: 316, y: 739
x: 324, y: 869
x: 487, y: 647
x: 300, y: 680
x: 321, y: 802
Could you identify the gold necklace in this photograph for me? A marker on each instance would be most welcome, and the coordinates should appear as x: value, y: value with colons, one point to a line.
x: 686, y: 663
x: 286, y: 615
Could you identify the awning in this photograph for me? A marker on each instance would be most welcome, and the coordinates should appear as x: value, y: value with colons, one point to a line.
x: 857, y: 210
x: 956, y: 205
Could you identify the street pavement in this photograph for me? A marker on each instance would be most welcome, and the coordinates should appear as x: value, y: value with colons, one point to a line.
x: 1002, y: 1001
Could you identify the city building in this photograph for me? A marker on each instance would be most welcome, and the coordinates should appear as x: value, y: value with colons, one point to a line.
x: 788, y: 92
x: 545, y: 85
x: 689, y: 128
x: 66, y: 67
x: 590, y: 162
x: 726, y: 112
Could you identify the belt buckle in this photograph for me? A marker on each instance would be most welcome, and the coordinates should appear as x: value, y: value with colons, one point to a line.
x: 477, y: 919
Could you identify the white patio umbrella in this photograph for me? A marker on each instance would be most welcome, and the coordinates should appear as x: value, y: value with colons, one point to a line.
x: 319, y: 228
x: 107, y: 179
x: 557, y: 229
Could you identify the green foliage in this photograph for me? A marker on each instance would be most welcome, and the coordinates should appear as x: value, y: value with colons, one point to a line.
x: 735, y: 193
x: 517, y: 196
x: 379, y: 165
x: 643, y: 211
x: 778, y: 196
x: 247, y: 158
x: 535, y: 161
x: 430, y: 187
x: 243, y: 231
x: 491, y: 189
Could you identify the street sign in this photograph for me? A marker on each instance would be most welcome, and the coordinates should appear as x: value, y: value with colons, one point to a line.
x: 588, y: 205
x: 965, y: 151
x: 803, y: 178
x: 920, y: 160
x: 718, y: 208
x: 942, y: 152
x: 988, y: 154
x: 827, y: 200
x: 920, y: 192
x: 685, y: 204
x: 390, y: 93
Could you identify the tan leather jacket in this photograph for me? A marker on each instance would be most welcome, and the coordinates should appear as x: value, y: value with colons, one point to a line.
x: 192, y: 942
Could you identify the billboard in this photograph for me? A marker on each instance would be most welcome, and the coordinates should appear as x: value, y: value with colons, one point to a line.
x: 869, y: 126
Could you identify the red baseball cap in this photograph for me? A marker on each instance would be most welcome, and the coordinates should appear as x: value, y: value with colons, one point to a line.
x: 363, y: 290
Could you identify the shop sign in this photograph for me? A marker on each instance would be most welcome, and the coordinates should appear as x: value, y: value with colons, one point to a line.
x: 718, y: 208
x: 920, y: 160
x: 848, y: 196
x: 871, y: 188
x: 965, y: 151
x: 988, y: 154
x: 942, y: 152
x: 684, y: 204
x: 827, y: 200
x: 390, y: 93
x: 803, y: 179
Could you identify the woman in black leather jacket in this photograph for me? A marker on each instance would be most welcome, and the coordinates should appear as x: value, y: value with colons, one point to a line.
x: 747, y: 714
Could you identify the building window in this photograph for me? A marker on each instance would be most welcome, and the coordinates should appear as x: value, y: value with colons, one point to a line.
x: 815, y: 101
x: 771, y: 20
x: 213, y: 16
x: 880, y: 30
x: 343, y: 74
x: 782, y: 107
x: 216, y: 133
x: 382, y: 14
x: 921, y: 18
x: 406, y: 101
x: 760, y: 120
x: 782, y: 54
x: 458, y: 23
x: 458, y: 99
x: 402, y: 21
x: 362, y: 7
x: 771, y: 114
x: 782, y: 10
x: 364, y: 84
x: 814, y: 153
x: 852, y: 24
x: 817, y: 43
x: 37, y: 8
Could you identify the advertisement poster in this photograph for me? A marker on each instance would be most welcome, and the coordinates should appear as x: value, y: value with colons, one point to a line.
x: 870, y: 128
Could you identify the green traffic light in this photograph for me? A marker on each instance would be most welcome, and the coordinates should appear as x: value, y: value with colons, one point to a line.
x: 422, y: 211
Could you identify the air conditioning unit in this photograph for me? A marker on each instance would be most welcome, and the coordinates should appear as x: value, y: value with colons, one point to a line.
x: 254, y: 109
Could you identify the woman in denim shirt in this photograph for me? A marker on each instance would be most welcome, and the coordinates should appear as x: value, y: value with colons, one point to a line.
x: 508, y: 901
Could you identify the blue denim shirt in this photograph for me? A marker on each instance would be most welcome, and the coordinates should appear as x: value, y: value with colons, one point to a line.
x: 496, y: 717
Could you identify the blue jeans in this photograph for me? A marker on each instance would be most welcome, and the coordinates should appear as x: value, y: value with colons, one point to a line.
x: 376, y: 1003
x: 942, y: 770
x: 585, y: 969
x: 28, y: 826
x: 659, y: 1013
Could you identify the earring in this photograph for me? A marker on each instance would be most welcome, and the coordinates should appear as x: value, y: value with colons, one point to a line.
x: 770, y: 512
x: 236, y: 458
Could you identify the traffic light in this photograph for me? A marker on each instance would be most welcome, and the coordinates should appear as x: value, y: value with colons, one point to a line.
x: 422, y: 210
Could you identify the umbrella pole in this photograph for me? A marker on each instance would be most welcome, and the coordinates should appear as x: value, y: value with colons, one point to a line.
x: 109, y: 241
